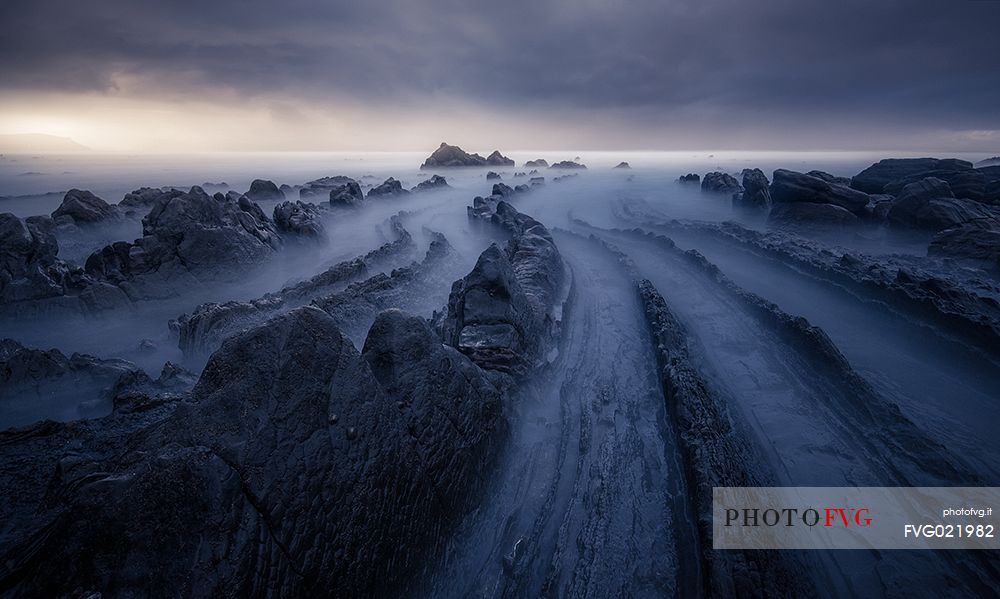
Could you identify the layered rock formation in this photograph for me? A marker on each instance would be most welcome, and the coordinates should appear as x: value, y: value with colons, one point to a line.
x: 756, y: 194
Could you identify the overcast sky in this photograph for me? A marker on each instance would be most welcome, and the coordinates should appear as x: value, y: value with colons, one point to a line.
x: 556, y: 74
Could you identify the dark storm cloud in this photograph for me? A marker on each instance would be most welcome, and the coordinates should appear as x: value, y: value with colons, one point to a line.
x: 905, y: 62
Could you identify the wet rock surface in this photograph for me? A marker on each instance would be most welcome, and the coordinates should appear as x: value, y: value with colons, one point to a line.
x: 756, y: 194
x: 791, y: 187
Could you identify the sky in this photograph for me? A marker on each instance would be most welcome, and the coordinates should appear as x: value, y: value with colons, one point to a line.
x: 186, y: 75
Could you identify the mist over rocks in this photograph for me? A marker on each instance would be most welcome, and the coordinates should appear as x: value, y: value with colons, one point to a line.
x: 188, y: 239
x: 322, y: 189
x: 690, y: 178
x: 210, y: 484
x: 490, y: 176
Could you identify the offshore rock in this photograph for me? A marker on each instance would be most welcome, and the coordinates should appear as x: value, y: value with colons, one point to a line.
x: 623, y: 165
x: 537, y: 163
x: 346, y: 195
x: 491, y: 176
x: 452, y: 156
x: 690, y: 178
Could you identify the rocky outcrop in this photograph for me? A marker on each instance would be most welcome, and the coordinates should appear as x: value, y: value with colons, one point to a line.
x: 83, y: 208
x: 453, y: 156
x: 977, y: 241
x: 930, y: 204
x: 498, y: 159
x: 262, y: 190
x: 187, y: 238
x: 270, y: 477
x: 346, y: 195
x: 995, y: 161
x: 690, y: 178
x: 537, y: 163
x: 966, y: 183
x: 716, y: 182
x: 38, y: 385
x: 324, y: 188
x: 755, y: 195
x: 141, y: 199
x: 874, y: 178
x: 568, y: 165
x: 389, y: 188
x: 435, y: 182
x: 500, y: 314
x: 490, y: 176
x: 623, y: 165
x: 792, y: 187
x: 300, y: 219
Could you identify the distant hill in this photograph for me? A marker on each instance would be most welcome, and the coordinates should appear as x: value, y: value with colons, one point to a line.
x: 995, y: 161
x: 37, y: 143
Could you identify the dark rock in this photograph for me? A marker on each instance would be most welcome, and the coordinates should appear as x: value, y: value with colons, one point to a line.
x: 991, y: 193
x: 966, y: 183
x: 537, y: 181
x: 498, y: 159
x: 538, y: 163
x: 874, y: 178
x: 435, y: 182
x: 995, y: 161
x: 533, y: 172
x: 346, y: 195
x: 491, y: 175
x: 262, y: 190
x: 29, y: 268
x: 844, y: 181
x: 389, y: 188
x: 977, y: 241
x: 186, y: 238
x: 690, y: 178
x: 83, y: 207
x: 716, y: 182
x: 144, y: 197
x: 930, y: 204
x: 323, y: 188
x: 453, y: 156
x: 568, y: 164
x: 811, y: 214
x: 520, y: 174
x: 521, y: 188
x: 792, y: 187
x: 756, y: 195
x: 623, y: 165
x: 38, y: 385
x: 502, y: 190
x: 300, y: 219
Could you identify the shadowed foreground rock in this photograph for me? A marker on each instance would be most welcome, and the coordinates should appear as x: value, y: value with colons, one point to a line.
x: 296, y: 466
